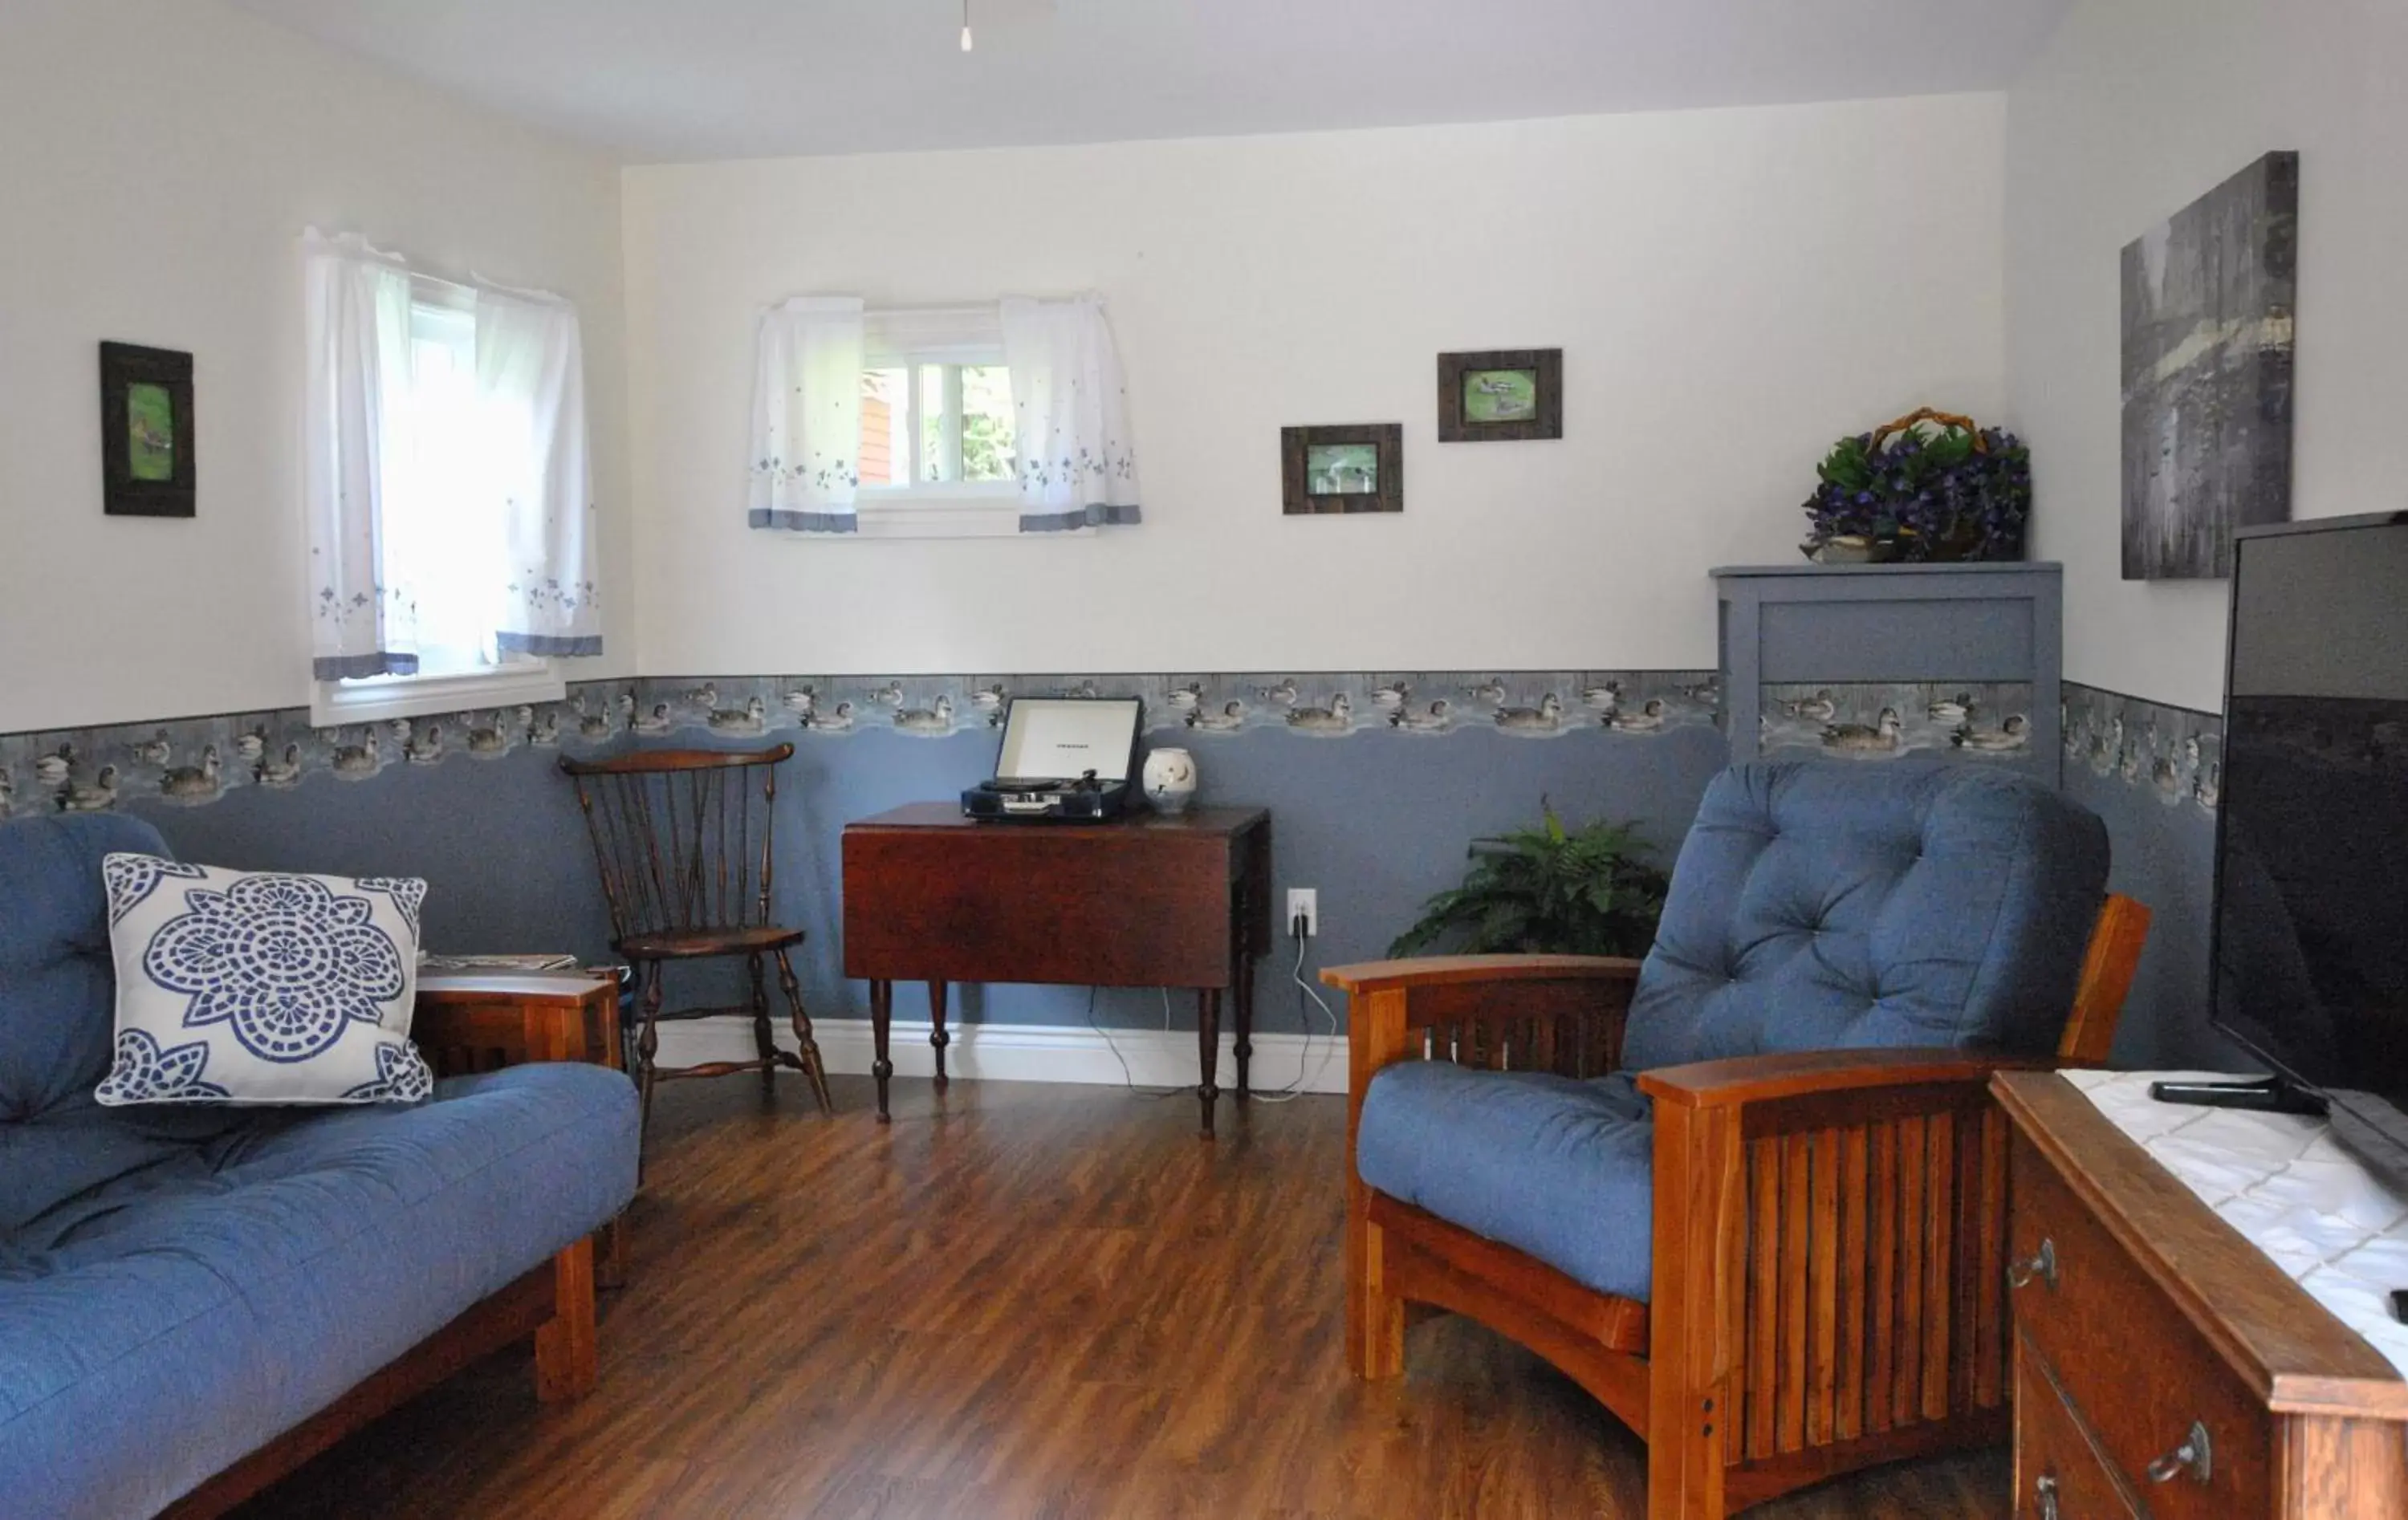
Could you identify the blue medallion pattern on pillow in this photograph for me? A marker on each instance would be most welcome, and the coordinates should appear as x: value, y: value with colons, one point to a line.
x: 402, y: 1077
x: 262, y: 987
x: 282, y: 959
x: 131, y: 878
x: 406, y: 892
x: 144, y: 1074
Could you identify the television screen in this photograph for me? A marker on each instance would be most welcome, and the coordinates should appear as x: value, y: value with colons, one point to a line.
x: 2311, y: 957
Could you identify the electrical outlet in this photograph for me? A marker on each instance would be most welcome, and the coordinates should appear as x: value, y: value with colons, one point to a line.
x: 1304, y: 903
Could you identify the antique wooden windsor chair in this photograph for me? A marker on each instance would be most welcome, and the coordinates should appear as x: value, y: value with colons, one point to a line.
x: 685, y: 843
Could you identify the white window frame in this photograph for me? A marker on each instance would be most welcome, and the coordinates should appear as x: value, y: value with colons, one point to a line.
x: 520, y: 681
x: 954, y: 336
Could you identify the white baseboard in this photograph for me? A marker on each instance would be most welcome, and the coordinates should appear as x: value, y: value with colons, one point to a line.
x: 1027, y: 1053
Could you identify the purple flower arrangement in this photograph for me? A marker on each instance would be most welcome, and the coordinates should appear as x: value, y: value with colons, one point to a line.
x: 1928, y: 487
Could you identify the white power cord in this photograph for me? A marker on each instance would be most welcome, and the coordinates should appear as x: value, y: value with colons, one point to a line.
x: 1295, y: 1089
x: 1288, y: 1093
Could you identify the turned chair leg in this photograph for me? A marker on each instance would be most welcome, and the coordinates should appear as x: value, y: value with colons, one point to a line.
x: 648, y: 1044
x: 566, y: 1365
x: 806, y: 1045
x: 762, y: 1043
x: 1375, y: 1319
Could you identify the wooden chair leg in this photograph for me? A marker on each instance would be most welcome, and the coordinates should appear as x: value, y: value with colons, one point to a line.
x: 763, y: 1044
x: 648, y: 1044
x: 1375, y: 1319
x: 565, y: 1366
x: 806, y: 1044
x: 1693, y: 1320
x: 610, y: 1253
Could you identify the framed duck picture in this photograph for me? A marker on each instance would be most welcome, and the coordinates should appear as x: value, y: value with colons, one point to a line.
x: 146, y: 431
x: 1356, y: 468
x: 1501, y: 396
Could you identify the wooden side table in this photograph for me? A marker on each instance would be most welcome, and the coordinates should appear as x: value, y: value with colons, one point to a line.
x: 482, y: 1021
x: 1146, y: 901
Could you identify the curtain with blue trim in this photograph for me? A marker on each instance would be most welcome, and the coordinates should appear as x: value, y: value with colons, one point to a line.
x: 805, y: 445
x: 362, y: 619
x: 1077, y: 468
x: 531, y: 388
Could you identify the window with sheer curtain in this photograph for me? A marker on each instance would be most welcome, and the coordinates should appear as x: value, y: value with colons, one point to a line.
x: 451, y: 544
x: 965, y: 421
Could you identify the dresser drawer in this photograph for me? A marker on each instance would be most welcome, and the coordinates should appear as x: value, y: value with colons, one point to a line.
x: 2129, y: 1360
x: 2058, y: 1474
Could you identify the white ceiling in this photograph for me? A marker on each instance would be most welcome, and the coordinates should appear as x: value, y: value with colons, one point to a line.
x: 687, y: 80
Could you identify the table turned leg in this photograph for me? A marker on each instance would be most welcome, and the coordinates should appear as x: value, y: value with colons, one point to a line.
x: 1243, y: 994
x: 1208, y: 1049
x: 881, y: 1014
x: 937, y: 1038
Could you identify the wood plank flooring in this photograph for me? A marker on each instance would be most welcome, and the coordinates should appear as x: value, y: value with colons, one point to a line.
x: 1020, y: 1300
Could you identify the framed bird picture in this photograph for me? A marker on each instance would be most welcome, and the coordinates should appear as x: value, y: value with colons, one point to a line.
x: 146, y: 432
x: 1501, y: 396
x: 1355, y: 468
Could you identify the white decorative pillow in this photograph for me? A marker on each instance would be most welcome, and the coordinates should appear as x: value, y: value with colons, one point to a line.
x: 261, y: 988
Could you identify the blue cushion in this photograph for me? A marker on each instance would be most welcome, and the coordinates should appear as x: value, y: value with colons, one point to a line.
x: 57, y: 996
x: 185, y: 1312
x: 1815, y: 906
x: 1558, y: 1168
x: 1829, y: 905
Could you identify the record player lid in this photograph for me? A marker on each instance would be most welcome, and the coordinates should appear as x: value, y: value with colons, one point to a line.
x: 1061, y: 738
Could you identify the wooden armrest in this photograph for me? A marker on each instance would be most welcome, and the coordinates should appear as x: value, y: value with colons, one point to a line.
x: 1454, y: 970
x: 1559, y: 1013
x: 1762, y: 1079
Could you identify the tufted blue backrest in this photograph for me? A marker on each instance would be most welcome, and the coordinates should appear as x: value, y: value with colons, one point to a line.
x: 1823, y: 904
x: 58, y: 988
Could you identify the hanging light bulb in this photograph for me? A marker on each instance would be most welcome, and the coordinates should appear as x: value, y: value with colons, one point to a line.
x: 965, y: 25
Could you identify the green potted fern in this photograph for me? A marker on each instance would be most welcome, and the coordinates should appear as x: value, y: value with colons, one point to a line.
x: 1548, y: 889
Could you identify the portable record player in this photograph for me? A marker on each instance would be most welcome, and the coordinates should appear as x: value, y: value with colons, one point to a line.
x: 1066, y: 759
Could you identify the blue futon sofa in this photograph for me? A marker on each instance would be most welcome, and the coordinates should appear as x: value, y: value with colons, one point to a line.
x: 182, y: 1285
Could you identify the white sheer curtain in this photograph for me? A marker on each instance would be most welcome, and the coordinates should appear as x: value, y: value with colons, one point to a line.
x: 356, y: 321
x: 531, y: 393
x: 807, y: 415
x: 1077, y: 467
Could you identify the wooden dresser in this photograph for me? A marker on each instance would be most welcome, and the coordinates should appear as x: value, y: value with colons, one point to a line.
x: 2165, y: 1366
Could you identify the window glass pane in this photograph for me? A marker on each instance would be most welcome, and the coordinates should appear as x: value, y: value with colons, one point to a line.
x: 987, y: 442
x: 936, y: 456
x: 885, y: 416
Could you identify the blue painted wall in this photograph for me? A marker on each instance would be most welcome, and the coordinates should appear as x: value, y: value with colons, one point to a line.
x: 1377, y: 822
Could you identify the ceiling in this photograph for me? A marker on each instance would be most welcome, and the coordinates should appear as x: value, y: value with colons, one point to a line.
x: 687, y: 80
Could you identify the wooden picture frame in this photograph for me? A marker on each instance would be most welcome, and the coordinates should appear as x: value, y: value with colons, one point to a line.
x: 1318, y: 464
x: 146, y: 432
x: 1531, y: 407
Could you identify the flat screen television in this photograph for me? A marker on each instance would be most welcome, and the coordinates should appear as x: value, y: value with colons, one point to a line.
x: 2309, y: 969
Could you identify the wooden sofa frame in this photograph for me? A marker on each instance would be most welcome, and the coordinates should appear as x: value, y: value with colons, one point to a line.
x: 1829, y: 1233
x: 554, y: 1303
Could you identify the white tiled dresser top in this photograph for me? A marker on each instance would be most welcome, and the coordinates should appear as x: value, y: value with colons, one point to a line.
x: 2279, y: 1180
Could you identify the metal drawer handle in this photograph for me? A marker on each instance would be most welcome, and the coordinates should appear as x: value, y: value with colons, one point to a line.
x: 2042, y: 1266
x: 2045, y: 1486
x: 2195, y: 1456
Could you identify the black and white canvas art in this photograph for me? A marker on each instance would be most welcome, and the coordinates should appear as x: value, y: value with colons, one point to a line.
x: 2208, y: 303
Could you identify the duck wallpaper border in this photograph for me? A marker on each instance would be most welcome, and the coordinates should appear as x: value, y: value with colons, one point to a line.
x: 2173, y: 751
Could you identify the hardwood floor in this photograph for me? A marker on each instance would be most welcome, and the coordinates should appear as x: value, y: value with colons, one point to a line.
x: 1020, y: 1300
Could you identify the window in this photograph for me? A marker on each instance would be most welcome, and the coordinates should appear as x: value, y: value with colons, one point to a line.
x: 938, y: 456
x: 936, y: 424
x: 445, y: 444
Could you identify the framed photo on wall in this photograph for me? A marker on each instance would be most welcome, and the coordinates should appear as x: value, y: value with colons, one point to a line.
x: 146, y: 431
x: 1351, y: 467
x: 1501, y: 396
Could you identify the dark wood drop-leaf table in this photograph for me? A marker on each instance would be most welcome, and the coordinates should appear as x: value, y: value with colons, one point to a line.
x: 1146, y: 901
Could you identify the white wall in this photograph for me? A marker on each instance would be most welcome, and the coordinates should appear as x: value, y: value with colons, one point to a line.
x: 158, y: 161
x: 1732, y: 291
x: 2136, y: 109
